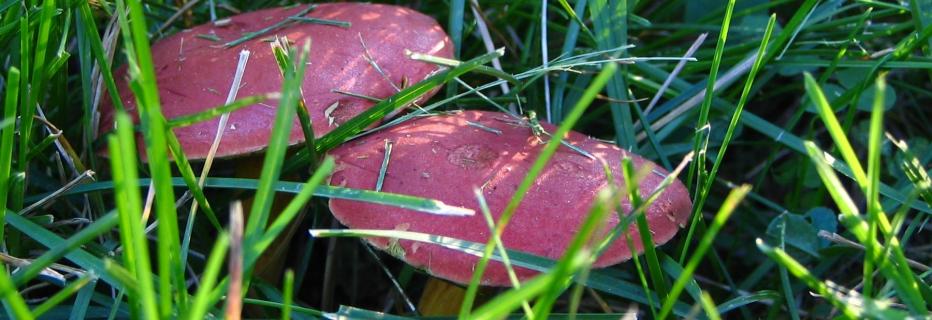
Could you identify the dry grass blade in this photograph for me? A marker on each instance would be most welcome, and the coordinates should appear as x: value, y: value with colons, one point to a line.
x: 54, y: 195
x: 722, y: 82
x: 235, y: 291
x: 224, y: 118
x: 277, y: 25
x: 374, y: 64
x: 676, y: 70
x: 48, y: 273
x: 839, y: 239
x: 489, y: 47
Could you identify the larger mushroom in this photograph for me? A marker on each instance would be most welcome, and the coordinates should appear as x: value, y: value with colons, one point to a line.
x: 445, y: 157
x: 358, y: 53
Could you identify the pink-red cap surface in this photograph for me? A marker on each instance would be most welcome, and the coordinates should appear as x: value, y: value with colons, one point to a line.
x: 446, y: 157
x: 194, y: 73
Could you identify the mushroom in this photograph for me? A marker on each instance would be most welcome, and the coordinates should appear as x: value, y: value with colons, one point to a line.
x: 357, y: 53
x: 445, y: 157
x: 357, y: 57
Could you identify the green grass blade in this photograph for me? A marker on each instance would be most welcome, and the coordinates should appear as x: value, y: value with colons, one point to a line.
x: 307, y: 311
x: 41, y: 146
x: 454, y: 63
x: 18, y: 189
x: 578, y: 254
x: 122, y: 276
x: 706, y: 186
x: 875, y: 137
x: 201, y: 302
x: 261, y: 242
x: 876, y: 219
x: 210, y: 113
x: 632, y: 183
x: 785, y: 284
x: 697, y: 169
x: 652, y: 137
x: 569, y: 43
x: 91, y: 232
x: 252, y: 35
x: 709, y: 306
x: 282, y: 51
x: 190, y: 180
x: 899, y: 52
x: 642, y: 277
x: 6, y: 145
x: 490, y: 222
x: 827, y: 113
x: 455, y: 22
x: 82, y: 302
x: 402, y: 98
x: 610, y: 23
x: 504, y: 303
x: 288, y: 294
x: 275, y: 154
x: 675, y: 270
x: 116, y: 304
x: 129, y: 203
x: 731, y: 203
x: 735, y: 303
x: 12, y: 301
x: 576, y: 19
x: 286, y: 217
x: 836, y: 189
x: 61, y: 295
x: 799, y: 271
x: 33, y: 91
x: 425, y: 205
x: 49, y: 239
x: 143, y: 83
x: 899, y: 274
x: 378, y: 111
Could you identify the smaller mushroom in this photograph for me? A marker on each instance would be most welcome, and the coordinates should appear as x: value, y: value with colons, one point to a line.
x: 446, y: 157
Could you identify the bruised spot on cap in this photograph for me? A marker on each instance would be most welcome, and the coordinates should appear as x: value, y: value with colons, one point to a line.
x: 472, y: 156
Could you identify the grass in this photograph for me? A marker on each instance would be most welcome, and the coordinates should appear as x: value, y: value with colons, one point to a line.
x: 785, y: 124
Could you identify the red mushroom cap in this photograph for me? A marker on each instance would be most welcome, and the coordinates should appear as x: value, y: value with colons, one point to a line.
x: 446, y: 157
x: 195, y: 73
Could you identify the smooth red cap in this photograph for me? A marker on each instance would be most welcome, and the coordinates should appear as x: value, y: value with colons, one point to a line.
x: 195, y: 74
x: 446, y: 157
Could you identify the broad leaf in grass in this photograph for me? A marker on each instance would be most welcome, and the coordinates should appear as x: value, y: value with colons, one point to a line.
x: 823, y: 218
x: 796, y: 232
x: 851, y: 77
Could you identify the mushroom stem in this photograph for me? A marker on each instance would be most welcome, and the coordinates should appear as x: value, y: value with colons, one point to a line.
x: 271, y: 263
x: 444, y: 298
